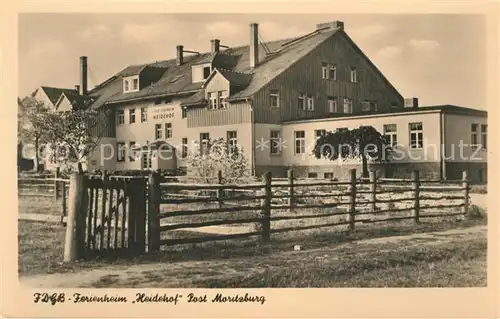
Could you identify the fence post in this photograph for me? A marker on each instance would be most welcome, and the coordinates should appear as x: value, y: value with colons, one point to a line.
x: 465, y: 186
x: 416, y: 196
x: 56, y: 183
x: 266, y: 209
x: 373, y: 189
x: 291, y: 190
x: 220, y: 192
x: 154, y: 196
x: 74, y: 234
x: 352, y: 200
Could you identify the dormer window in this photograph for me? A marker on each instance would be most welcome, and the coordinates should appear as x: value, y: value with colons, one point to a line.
x: 131, y: 84
x: 201, y: 72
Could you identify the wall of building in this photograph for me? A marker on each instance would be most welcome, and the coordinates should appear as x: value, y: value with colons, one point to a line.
x: 144, y: 132
x: 235, y: 113
x: 457, y: 131
x: 64, y: 105
x: 104, y: 155
x: 305, y: 76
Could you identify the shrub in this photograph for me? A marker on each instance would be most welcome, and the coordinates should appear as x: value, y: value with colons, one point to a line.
x: 476, y: 212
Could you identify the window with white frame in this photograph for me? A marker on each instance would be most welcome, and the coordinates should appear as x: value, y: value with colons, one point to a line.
x: 300, y: 142
x: 120, y: 117
x: 312, y: 175
x: 120, y: 154
x: 302, y: 101
x: 324, y: 71
x: 332, y: 104
x: 168, y: 130
x: 484, y: 137
x: 158, y: 131
x: 354, y: 75
x: 222, y: 99
x: 333, y: 73
x: 347, y: 106
x: 135, y: 84
x: 232, y: 142
x: 144, y: 114
x: 390, y: 131
x: 274, y: 98
x: 204, y: 143
x: 474, y: 138
x: 131, y: 84
x: 146, y: 160
x: 206, y: 71
x: 328, y: 175
x: 184, y: 112
x: 126, y: 85
x: 213, y: 100
x: 131, y: 116
x: 416, y: 135
x: 319, y: 133
x: 184, y: 153
x: 276, y: 143
x: 310, y: 103
x: 131, y: 151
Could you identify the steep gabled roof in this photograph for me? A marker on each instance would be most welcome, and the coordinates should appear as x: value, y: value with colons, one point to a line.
x: 55, y: 93
x: 234, y: 78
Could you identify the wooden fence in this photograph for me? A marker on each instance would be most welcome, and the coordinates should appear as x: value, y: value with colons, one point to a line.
x: 108, y: 213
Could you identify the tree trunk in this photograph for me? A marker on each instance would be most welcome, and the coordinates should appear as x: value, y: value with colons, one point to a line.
x: 364, y: 165
x: 36, y: 165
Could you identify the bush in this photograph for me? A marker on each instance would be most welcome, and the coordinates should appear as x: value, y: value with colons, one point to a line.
x: 476, y: 212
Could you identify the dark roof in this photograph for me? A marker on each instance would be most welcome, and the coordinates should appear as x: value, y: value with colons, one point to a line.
x: 234, y: 63
x: 446, y: 108
x: 55, y: 93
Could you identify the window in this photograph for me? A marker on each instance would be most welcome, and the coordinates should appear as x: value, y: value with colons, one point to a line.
x: 135, y: 84
x: 484, y: 128
x: 342, y: 129
x: 157, y: 131
x: 354, y: 75
x: 390, y: 131
x: 319, y: 133
x: 120, y: 117
x: 212, y: 100
x: 333, y: 72
x: 184, y: 112
x: 131, y: 116
x: 365, y: 106
x: 416, y: 135
x: 206, y: 72
x: 310, y: 103
x: 312, y: 175
x: 168, y: 130
x: 347, y: 106
x: 232, y: 142
x: 222, y: 99
x: 131, y: 152
x: 328, y: 175
x: 374, y: 106
x: 473, y: 136
x: 146, y: 162
x: 131, y: 84
x: 300, y: 142
x: 332, y: 105
x: 126, y: 85
x: 204, y: 143
x: 158, y: 101
x: 184, y: 153
x: 276, y: 143
x: 302, y: 101
x: 121, y: 152
x: 144, y: 114
x: 324, y: 71
x: 275, y: 98
x: 167, y: 100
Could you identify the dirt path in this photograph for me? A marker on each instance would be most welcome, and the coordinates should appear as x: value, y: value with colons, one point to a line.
x: 182, y: 273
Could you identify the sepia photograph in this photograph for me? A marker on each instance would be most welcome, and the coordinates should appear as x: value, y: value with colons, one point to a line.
x: 251, y: 150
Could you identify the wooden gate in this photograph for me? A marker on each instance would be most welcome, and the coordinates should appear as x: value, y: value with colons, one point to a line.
x: 115, y: 216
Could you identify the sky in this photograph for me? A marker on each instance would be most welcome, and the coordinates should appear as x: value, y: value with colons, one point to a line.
x: 441, y: 59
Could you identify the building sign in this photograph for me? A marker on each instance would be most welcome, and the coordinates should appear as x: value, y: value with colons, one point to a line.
x: 161, y: 113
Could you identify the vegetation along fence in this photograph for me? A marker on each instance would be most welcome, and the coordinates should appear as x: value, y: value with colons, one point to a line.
x: 134, y: 215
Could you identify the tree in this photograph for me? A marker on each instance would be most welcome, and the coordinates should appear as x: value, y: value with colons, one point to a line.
x: 364, y: 142
x: 31, y: 124
x: 217, y: 156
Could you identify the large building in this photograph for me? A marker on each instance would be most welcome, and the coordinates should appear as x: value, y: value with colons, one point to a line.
x: 272, y: 99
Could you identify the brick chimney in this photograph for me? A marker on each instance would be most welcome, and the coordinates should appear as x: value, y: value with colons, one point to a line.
x: 215, y: 45
x: 411, y: 102
x: 83, y: 75
x: 180, y: 54
x: 332, y: 25
x: 254, y: 45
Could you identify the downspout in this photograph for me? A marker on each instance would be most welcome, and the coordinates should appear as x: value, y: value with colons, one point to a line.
x: 252, y: 134
x: 442, y: 163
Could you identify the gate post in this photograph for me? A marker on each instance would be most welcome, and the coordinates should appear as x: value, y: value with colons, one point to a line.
x: 154, y: 196
x: 74, y: 244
